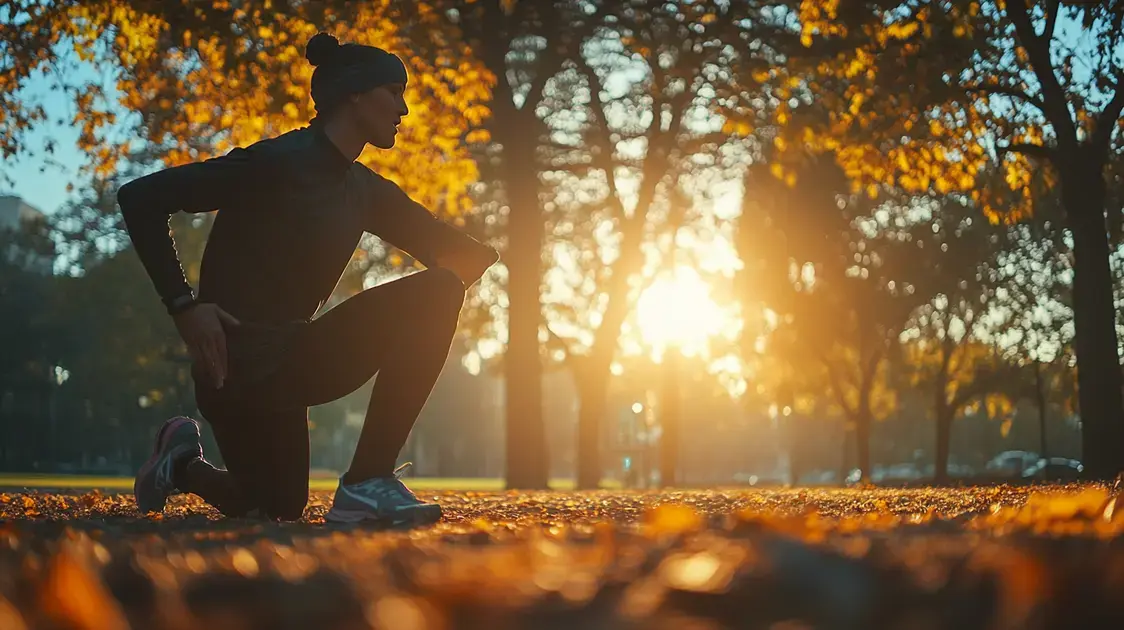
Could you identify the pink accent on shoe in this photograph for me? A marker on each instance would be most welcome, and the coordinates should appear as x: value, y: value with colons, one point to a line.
x: 166, y: 430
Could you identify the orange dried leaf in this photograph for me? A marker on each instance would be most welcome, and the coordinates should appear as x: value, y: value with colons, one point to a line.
x: 672, y: 519
x: 10, y: 618
x: 75, y: 597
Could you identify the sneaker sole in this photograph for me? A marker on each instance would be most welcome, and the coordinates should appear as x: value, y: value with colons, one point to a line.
x: 416, y: 517
x: 142, y: 482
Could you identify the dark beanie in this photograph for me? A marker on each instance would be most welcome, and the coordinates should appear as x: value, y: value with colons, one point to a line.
x: 343, y: 70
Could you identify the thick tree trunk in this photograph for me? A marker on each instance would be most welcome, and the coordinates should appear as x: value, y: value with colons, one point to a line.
x: 670, y: 420
x: 863, y: 423
x: 594, y: 370
x: 593, y: 389
x: 863, y: 419
x: 1040, y: 400
x: 944, y: 443
x: 1095, y: 340
x: 943, y: 413
x: 526, y: 453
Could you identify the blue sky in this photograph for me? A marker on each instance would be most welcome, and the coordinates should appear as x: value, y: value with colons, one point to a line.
x: 46, y: 190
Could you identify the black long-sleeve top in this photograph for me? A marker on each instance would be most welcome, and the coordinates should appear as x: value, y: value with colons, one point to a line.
x: 293, y: 209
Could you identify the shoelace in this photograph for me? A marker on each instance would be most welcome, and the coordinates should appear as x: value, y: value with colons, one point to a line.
x: 402, y: 489
x: 165, y: 482
x: 377, y: 485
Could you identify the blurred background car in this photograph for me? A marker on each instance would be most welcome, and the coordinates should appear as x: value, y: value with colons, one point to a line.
x: 1012, y: 463
x: 1054, y: 469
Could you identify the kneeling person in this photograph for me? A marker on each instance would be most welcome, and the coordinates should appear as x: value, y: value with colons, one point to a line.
x: 293, y: 210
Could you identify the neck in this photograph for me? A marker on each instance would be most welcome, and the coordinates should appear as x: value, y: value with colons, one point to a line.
x: 346, y: 139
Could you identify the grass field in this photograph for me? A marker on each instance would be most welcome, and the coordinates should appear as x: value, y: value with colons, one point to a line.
x: 320, y: 483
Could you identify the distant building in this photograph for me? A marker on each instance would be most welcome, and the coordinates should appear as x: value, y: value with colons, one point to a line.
x: 15, y: 213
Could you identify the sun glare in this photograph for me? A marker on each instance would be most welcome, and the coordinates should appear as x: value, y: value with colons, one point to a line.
x: 679, y: 310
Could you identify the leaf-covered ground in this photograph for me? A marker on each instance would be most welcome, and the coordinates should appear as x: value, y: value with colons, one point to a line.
x: 996, y: 557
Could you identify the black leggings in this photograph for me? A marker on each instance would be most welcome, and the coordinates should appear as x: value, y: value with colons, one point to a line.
x: 401, y: 329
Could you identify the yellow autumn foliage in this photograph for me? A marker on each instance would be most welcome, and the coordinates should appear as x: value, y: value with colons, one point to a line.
x: 222, y: 75
x: 920, y: 147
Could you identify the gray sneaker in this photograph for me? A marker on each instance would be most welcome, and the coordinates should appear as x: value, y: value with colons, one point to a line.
x: 385, y: 500
x: 177, y: 438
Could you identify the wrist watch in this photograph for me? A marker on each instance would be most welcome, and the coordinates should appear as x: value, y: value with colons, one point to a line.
x: 180, y: 303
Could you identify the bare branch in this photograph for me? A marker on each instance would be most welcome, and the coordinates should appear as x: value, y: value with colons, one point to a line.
x: 837, y: 386
x: 496, y: 44
x: 785, y: 38
x: 557, y: 341
x: 558, y: 48
x: 583, y: 168
x: 1051, y: 20
x: 697, y: 144
x: 981, y: 384
x: 1109, y: 117
x: 1029, y: 150
x: 542, y: 75
x: 948, y: 350
x: 871, y: 366
x: 560, y: 146
x: 1053, y: 97
x: 1007, y: 91
x: 550, y: 60
x: 603, y: 135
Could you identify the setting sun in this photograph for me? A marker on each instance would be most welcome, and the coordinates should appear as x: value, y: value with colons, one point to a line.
x: 679, y: 310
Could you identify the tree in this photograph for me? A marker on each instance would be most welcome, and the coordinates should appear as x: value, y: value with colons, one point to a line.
x: 523, y: 44
x: 925, y: 95
x: 126, y: 368
x: 26, y: 364
x: 839, y: 294
x: 949, y: 341
x: 624, y: 156
x: 1039, y: 329
x: 959, y: 370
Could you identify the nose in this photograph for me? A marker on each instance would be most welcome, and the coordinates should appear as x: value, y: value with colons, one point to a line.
x: 403, y: 108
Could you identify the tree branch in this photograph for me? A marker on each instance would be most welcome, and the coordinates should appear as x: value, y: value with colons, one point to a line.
x: 1053, y: 97
x: 837, y: 387
x: 582, y: 168
x: 547, y: 69
x: 948, y: 349
x: 1051, y: 20
x: 680, y: 203
x: 1007, y: 91
x: 558, y: 341
x: 980, y: 385
x: 561, y: 146
x: 871, y: 367
x: 556, y: 51
x: 694, y: 145
x: 603, y: 135
x: 1030, y: 150
x: 494, y: 44
x: 1109, y: 117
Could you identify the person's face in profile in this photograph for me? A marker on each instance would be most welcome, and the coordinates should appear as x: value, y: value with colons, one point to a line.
x: 378, y: 112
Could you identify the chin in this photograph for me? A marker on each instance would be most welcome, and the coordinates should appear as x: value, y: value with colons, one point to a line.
x: 383, y: 143
x: 383, y: 140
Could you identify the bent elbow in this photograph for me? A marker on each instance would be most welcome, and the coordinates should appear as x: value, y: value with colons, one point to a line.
x: 126, y: 197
